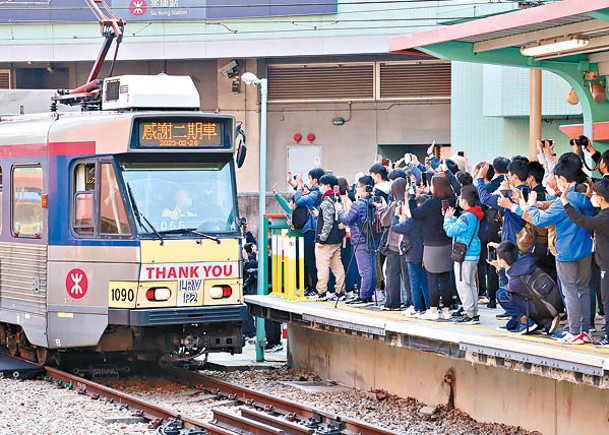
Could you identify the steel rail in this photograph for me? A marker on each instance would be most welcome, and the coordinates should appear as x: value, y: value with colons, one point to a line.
x: 275, y: 404
x: 150, y: 411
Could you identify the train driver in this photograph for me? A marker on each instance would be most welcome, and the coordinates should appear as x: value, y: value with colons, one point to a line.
x: 183, y: 203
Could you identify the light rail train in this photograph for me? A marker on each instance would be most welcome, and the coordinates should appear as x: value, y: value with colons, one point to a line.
x: 119, y: 229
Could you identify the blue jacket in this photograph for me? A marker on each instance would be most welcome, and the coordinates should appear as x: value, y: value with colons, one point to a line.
x: 512, y: 222
x: 310, y: 200
x: 411, y: 228
x: 464, y: 229
x: 572, y: 241
x: 355, y: 218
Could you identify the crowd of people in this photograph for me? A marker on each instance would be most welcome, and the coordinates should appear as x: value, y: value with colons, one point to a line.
x: 437, y: 239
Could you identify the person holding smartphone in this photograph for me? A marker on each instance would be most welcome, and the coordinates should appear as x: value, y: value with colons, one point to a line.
x: 600, y: 225
x: 437, y: 245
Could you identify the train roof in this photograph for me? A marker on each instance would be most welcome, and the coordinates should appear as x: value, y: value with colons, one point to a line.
x: 111, y: 132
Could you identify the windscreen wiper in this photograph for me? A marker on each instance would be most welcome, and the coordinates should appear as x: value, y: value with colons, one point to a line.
x: 139, y: 216
x: 192, y: 231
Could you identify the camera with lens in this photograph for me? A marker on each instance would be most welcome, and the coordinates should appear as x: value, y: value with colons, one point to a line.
x: 582, y: 141
x: 376, y: 199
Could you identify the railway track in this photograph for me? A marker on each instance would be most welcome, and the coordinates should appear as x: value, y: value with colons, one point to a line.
x: 260, y: 413
x: 237, y: 410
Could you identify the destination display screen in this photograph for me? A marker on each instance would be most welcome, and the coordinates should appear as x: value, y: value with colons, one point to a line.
x: 179, y: 133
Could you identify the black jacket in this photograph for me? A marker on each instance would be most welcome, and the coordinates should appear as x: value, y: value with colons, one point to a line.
x: 600, y: 225
x: 429, y: 214
x: 250, y: 274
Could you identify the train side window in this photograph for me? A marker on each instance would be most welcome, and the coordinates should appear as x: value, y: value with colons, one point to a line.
x: 112, y: 213
x: 27, y: 201
x: 84, y: 190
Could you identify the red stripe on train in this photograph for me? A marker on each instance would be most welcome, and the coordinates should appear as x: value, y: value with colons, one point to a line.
x: 52, y: 149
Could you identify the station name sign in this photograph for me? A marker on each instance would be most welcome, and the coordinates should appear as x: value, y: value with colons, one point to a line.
x: 179, y: 133
x: 57, y: 11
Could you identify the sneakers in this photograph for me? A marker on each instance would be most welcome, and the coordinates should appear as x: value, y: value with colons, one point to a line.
x: 560, y: 334
x: 492, y: 304
x: 360, y: 302
x: 430, y: 315
x: 458, y: 313
x: 446, y: 315
x: 411, y: 312
x: 350, y: 295
x: 503, y: 316
x: 310, y: 293
x: 554, y: 324
x: 602, y: 342
x: 273, y: 348
x: 313, y: 295
x: 569, y: 338
x: 466, y: 320
x: 483, y: 300
x: 386, y: 308
x: 523, y: 329
x: 586, y: 337
x: 510, y: 325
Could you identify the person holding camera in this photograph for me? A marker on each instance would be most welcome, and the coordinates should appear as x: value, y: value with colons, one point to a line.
x: 466, y: 250
x: 528, y: 294
x: 437, y: 245
x: 309, y: 196
x: 357, y: 217
x: 328, y: 239
x: 411, y: 247
x: 573, y: 248
x: 600, y: 225
x: 393, y: 262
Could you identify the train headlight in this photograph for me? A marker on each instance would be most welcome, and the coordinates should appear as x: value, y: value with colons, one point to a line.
x: 220, y: 291
x: 158, y: 294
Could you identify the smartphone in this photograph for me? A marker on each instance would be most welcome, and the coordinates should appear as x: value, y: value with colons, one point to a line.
x: 581, y: 188
x: 445, y: 205
x: 525, y: 194
x: 461, y: 153
x: 492, y: 254
x: 413, y: 187
x: 506, y: 192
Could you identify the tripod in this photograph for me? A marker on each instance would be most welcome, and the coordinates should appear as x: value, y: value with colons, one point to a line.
x: 371, y: 244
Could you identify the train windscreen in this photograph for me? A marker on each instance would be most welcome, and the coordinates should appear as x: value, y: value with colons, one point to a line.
x: 171, y: 197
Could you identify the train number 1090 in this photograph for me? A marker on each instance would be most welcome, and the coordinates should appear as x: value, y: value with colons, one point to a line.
x: 122, y: 294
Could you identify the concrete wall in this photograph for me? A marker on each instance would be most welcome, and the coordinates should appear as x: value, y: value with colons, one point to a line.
x: 352, y: 147
x: 488, y: 394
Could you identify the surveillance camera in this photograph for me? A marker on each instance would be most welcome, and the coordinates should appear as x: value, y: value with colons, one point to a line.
x: 229, y: 68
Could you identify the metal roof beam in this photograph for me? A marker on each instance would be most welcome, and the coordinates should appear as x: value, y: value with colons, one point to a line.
x: 524, y: 38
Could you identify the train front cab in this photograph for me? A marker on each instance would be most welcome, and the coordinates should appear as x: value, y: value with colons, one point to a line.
x: 144, y: 252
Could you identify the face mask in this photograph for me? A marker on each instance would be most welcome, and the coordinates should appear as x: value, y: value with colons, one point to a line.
x: 595, y: 202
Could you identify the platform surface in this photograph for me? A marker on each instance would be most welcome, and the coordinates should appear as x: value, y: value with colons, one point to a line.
x: 478, y: 343
x: 16, y: 368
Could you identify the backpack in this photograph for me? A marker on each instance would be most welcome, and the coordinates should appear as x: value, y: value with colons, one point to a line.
x: 490, y: 226
x: 529, y: 236
x: 300, y: 215
x: 541, y: 286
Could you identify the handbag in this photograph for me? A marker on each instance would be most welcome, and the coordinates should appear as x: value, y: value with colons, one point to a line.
x: 460, y: 249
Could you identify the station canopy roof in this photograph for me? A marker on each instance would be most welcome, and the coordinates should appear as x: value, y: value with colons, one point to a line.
x: 499, y: 38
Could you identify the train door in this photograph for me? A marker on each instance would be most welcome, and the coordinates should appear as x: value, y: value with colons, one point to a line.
x: 23, y: 249
x: 99, y: 249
